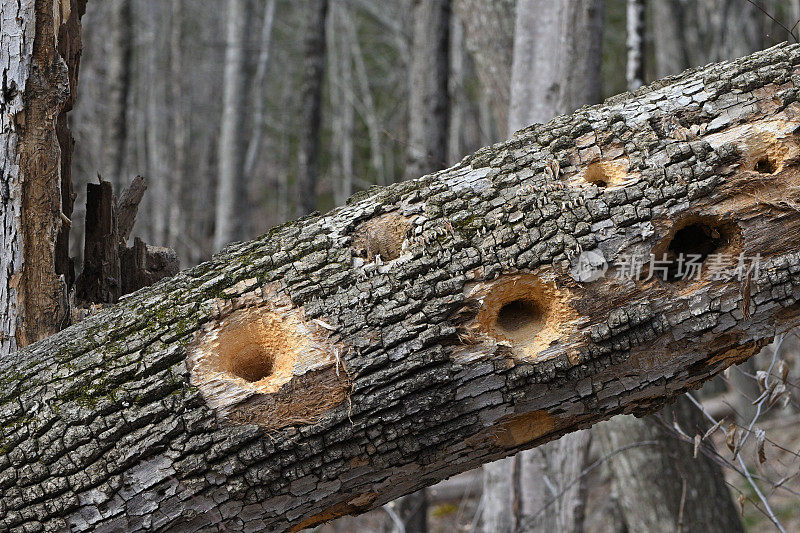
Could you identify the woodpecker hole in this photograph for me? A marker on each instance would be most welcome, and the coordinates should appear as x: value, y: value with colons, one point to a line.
x: 523, y: 310
x: 251, y: 348
x: 687, y: 248
x: 381, y: 236
x: 765, y: 165
x: 518, y: 317
x: 606, y: 173
x: 596, y: 175
x: 252, y: 363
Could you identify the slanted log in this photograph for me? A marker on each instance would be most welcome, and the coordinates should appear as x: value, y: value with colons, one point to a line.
x: 343, y: 360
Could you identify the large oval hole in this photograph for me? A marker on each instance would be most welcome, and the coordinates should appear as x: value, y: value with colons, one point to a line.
x: 687, y: 250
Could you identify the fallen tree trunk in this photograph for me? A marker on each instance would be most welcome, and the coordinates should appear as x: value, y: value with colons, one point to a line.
x: 343, y: 360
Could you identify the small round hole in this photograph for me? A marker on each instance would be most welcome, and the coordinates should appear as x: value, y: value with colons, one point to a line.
x: 596, y: 175
x: 517, y: 316
x: 765, y: 165
x: 251, y: 363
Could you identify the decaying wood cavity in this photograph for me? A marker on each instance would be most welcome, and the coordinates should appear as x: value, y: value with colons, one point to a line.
x: 262, y: 362
x: 381, y: 236
x: 522, y: 310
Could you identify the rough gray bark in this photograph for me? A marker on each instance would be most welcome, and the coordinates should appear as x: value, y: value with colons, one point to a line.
x: 295, y: 378
x: 650, y: 480
x: 313, y: 75
x: 232, y: 200
x: 557, y: 57
x: 650, y: 504
x: 489, y: 37
x: 428, y: 131
x: 39, y: 55
x: 429, y: 102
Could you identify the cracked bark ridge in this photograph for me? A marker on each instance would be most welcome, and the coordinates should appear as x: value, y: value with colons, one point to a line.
x: 477, y: 341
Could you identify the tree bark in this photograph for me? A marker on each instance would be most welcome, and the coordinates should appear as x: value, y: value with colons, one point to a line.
x: 313, y: 76
x: 428, y: 131
x: 295, y: 378
x: 666, y: 476
x: 39, y: 57
x: 232, y: 200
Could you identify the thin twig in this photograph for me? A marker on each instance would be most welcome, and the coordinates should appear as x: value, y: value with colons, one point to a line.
x: 746, y: 472
x: 776, y: 21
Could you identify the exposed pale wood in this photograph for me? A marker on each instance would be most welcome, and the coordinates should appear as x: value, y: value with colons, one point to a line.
x: 348, y: 383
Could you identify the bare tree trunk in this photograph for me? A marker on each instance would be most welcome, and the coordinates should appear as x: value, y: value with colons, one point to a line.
x: 313, y: 76
x: 635, y: 24
x: 551, y: 491
x: 489, y: 37
x: 39, y: 56
x: 557, y: 58
x: 176, y: 230
x: 429, y: 102
x: 259, y: 94
x: 456, y: 90
x: 668, y: 49
x: 157, y: 121
x: 342, y: 91
x: 232, y: 201
x: 294, y: 378
x: 369, y: 112
x: 651, y: 478
x: 695, y: 33
x: 119, y: 80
